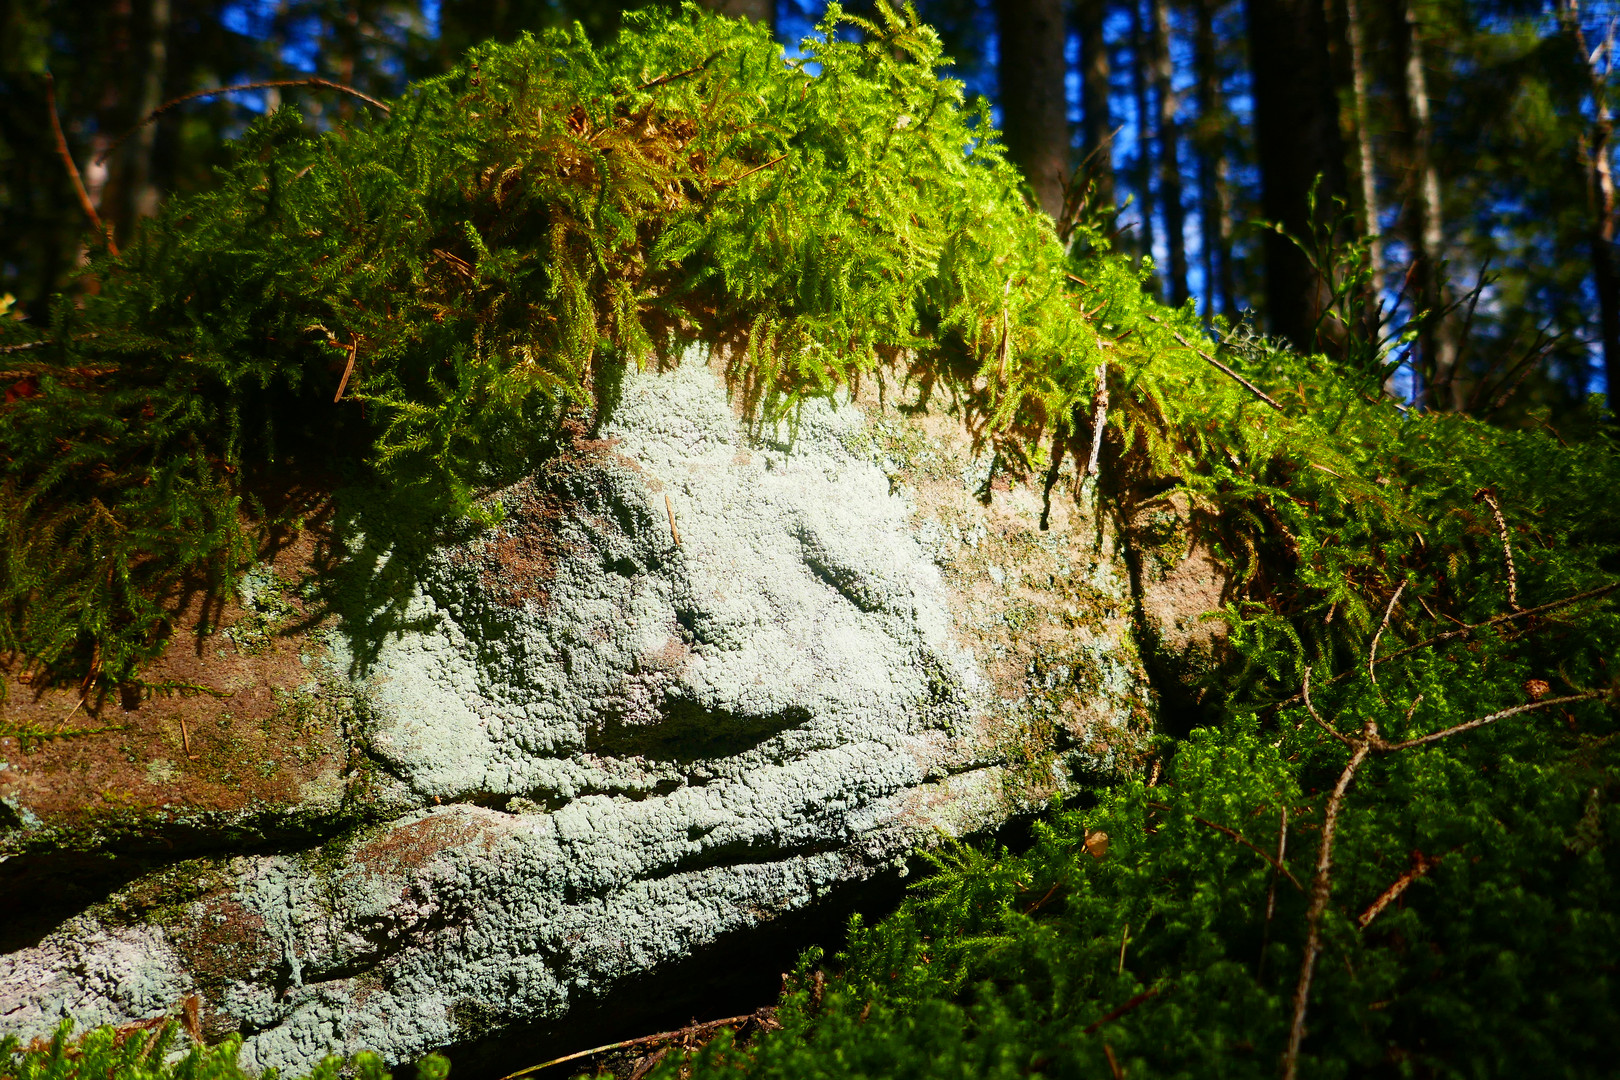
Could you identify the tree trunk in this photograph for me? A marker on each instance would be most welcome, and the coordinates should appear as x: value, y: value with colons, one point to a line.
x: 1600, y: 203
x: 1097, y: 120
x: 1034, y: 105
x: 760, y: 11
x: 1214, y: 211
x: 142, y: 150
x: 1368, y: 174
x: 1170, y: 194
x: 1143, y: 170
x: 1296, y: 124
x: 1437, y: 342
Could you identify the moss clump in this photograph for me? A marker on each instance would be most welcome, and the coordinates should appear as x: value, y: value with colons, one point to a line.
x: 417, y: 300
x: 146, y: 1052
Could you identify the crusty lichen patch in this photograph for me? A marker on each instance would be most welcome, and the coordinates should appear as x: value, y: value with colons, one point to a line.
x: 1046, y: 610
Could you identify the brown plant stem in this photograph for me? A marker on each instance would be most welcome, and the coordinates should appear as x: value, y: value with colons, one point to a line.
x: 1276, y: 863
x: 269, y: 84
x: 1464, y: 631
x: 645, y: 1040
x: 1421, y: 865
x: 1321, y: 889
x: 66, y: 155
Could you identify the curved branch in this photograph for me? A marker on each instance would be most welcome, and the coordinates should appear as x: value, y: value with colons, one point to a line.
x: 268, y: 84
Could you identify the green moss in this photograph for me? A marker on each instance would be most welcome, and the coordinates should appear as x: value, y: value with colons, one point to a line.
x: 145, y: 1052
x: 542, y: 215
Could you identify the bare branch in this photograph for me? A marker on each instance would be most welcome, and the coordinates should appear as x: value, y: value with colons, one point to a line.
x: 1144, y: 996
x: 1245, y: 383
x: 66, y: 155
x: 1464, y: 631
x: 1098, y: 419
x: 662, y: 1036
x: 662, y: 79
x: 1372, y: 651
x: 1421, y: 865
x: 1321, y: 889
x: 1276, y: 864
x: 1507, y: 548
x: 269, y: 84
x: 1423, y: 740
x: 1306, y: 694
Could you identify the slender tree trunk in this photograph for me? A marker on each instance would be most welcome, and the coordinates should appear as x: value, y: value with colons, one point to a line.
x: 1034, y: 103
x: 760, y: 11
x: 1437, y: 341
x: 1600, y: 201
x: 1296, y: 113
x: 1368, y: 174
x: 1143, y: 171
x: 1214, y: 212
x: 142, y: 150
x: 1097, y: 121
x: 1170, y: 194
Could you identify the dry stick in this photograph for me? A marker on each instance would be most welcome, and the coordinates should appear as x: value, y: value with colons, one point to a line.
x: 1321, y: 882
x: 1547, y: 703
x: 348, y: 369
x: 1113, y: 1065
x: 1245, y: 383
x: 1271, y: 890
x: 750, y: 172
x: 1124, y: 940
x: 1372, y: 653
x: 1464, y: 631
x: 1507, y: 549
x: 1323, y: 724
x: 1421, y: 865
x: 662, y: 79
x: 1098, y: 419
x: 662, y: 1036
x: 1276, y: 864
x: 66, y: 155
x: 673, y: 531
x: 321, y: 84
x: 1122, y: 1010
x: 1321, y: 885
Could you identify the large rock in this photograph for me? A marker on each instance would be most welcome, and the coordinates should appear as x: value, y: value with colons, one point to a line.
x: 693, y: 680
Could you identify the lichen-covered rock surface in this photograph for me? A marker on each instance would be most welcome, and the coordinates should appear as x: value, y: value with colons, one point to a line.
x: 698, y: 676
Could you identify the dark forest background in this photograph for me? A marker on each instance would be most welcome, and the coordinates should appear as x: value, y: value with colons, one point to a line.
x: 1461, y: 148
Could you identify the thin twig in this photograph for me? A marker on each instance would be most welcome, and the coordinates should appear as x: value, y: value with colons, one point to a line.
x: 1099, y: 419
x: 1245, y: 383
x: 1321, y: 888
x: 662, y: 79
x: 1423, y: 740
x: 270, y: 84
x: 66, y: 155
x: 1271, y: 891
x: 1507, y: 548
x: 750, y: 172
x: 1372, y: 651
x: 353, y: 346
x: 1151, y: 992
x: 1306, y: 693
x: 1421, y: 865
x: 674, y: 533
x: 1464, y: 631
x: 662, y: 1036
x: 1276, y: 864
